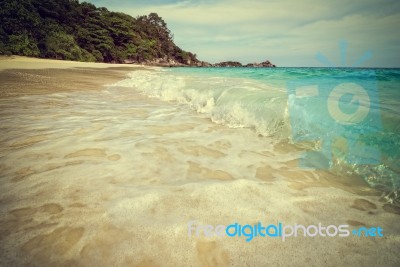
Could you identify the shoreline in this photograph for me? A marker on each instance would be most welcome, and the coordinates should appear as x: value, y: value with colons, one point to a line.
x: 23, y: 76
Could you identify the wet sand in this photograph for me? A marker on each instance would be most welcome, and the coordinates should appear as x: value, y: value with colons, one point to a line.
x: 105, y: 176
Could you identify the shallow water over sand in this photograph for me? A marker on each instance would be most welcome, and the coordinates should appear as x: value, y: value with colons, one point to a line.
x: 112, y: 178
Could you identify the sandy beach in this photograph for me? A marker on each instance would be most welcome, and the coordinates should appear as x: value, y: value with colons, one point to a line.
x: 21, y: 76
x: 94, y: 173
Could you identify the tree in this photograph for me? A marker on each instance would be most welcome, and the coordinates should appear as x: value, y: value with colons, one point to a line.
x: 63, y: 46
x: 67, y: 29
x: 22, y: 44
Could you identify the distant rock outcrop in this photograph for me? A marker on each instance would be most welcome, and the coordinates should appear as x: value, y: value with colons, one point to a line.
x: 265, y: 64
x: 204, y: 64
x: 171, y: 62
x: 234, y: 64
x: 228, y: 64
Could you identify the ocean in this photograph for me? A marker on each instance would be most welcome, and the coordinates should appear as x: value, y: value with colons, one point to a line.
x: 139, y: 172
x: 261, y: 99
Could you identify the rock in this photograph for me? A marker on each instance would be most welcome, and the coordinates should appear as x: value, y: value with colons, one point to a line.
x: 203, y: 64
x: 228, y: 64
x: 130, y: 61
x: 163, y: 62
x: 170, y: 62
x: 252, y: 65
x: 265, y: 64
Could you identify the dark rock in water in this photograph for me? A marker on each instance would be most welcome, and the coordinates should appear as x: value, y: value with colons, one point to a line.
x: 228, y: 64
x: 391, y: 208
x: 252, y: 65
x: 203, y: 64
x: 265, y: 64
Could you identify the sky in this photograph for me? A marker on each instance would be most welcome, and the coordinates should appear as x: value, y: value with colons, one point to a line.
x: 289, y: 33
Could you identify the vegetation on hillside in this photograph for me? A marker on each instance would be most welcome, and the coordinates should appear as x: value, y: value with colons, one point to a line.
x: 70, y: 30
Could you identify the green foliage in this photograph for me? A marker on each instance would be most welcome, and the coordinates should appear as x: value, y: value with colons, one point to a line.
x: 67, y: 29
x: 22, y: 44
x: 97, y: 56
x: 3, y: 49
x: 63, y: 46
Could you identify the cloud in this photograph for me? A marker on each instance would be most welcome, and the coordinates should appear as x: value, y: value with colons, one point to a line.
x: 287, y: 32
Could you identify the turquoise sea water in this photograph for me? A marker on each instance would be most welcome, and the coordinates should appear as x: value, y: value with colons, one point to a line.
x: 364, y: 142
